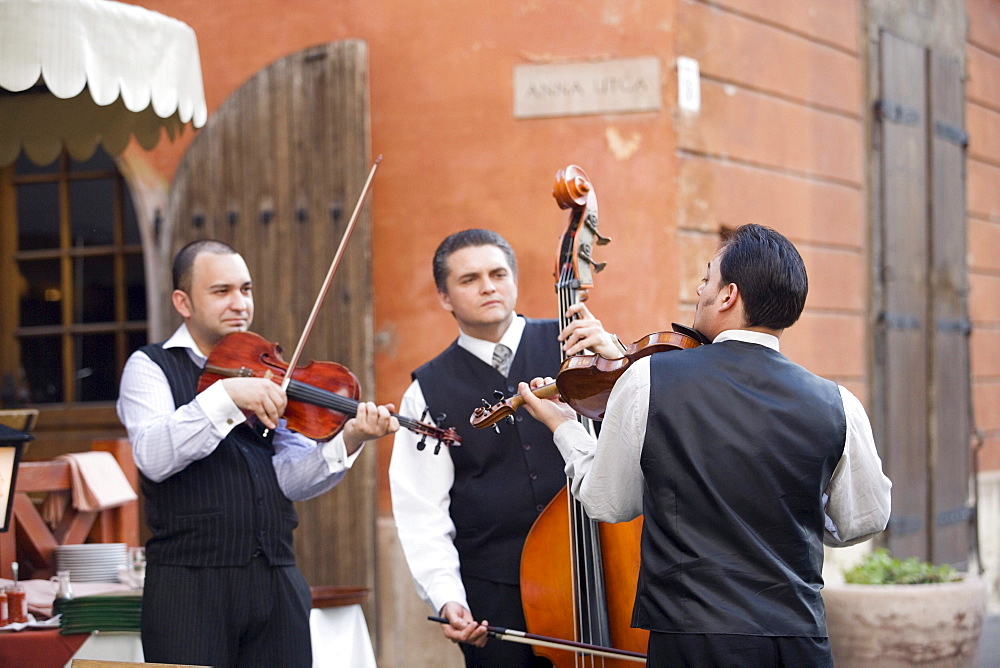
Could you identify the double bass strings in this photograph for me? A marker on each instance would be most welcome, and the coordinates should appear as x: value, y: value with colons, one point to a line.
x: 590, y: 602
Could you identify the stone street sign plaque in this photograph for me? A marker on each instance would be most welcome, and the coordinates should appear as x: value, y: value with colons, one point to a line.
x: 573, y: 89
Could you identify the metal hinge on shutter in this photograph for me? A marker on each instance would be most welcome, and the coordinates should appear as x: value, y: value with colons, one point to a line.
x: 955, y: 516
x: 951, y: 133
x: 959, y: 326
x: 899, y: 321
x: 905, y: 524
x: 895, y: 112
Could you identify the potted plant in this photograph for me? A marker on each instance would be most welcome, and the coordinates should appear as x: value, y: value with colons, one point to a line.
x: 891, y: 612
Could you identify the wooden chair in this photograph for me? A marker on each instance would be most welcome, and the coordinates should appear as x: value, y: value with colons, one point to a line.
x: 22, y: 419
x: 29, y: 537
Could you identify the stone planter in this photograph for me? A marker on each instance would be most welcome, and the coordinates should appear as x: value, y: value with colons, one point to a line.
x: 893, y: 625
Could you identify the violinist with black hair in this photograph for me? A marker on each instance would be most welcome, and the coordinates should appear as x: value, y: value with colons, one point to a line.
x: 743, y: 464
x: 221, y: 583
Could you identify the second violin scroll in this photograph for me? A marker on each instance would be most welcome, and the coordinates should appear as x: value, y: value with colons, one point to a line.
x: 585, y: 381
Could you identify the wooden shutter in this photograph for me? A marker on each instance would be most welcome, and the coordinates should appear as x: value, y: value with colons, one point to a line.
x: 276, y: 173
x: 921, y: 339
x: 901, y: 336
x: 950, y: 374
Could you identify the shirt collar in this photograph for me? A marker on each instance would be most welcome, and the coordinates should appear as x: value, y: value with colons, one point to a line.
x: 484, y: 349
x: 747, y: 336
x: 182, y: 339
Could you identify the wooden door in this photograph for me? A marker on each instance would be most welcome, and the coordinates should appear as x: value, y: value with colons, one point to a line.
x: 276, y: 173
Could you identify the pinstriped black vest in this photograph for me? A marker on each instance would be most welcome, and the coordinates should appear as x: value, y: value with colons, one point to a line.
x: 502, y: 481
x: 740, y: 446
x: 219, y: 509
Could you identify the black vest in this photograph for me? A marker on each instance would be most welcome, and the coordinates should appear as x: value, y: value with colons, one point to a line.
x: 502, y: 481
x: 217, y: 510
x: 740, y: 446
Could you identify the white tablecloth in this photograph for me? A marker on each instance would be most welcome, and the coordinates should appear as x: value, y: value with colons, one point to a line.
x: 339, y: 640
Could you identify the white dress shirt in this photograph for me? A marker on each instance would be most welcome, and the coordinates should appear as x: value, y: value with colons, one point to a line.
x: 607, y: 479
x: 166, y: 438
x: 420, y: 483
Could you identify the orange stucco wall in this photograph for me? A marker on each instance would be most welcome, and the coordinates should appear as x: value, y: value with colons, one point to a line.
x: 780, y: 140
x: 454, y: 156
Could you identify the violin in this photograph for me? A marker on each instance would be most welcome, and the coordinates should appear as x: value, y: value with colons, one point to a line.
x: 322, y: 396
x: 585, y: 381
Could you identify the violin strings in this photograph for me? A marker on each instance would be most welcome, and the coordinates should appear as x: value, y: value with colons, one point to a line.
x: 347, y: 405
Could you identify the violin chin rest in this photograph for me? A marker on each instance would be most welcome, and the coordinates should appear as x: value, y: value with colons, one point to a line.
x: 690, y: 331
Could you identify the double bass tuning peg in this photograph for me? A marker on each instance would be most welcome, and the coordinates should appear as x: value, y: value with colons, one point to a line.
x: 584, y: 255
x: 591, y: 224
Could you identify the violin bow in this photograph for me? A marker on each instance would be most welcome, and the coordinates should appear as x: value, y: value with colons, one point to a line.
x: 294, y: 361
x: 523, y: 637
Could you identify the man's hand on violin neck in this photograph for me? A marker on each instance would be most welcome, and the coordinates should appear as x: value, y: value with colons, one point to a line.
x: 368, y: 423
x: 586, y: 332
x: 262, y: 396
x: 551, y: 411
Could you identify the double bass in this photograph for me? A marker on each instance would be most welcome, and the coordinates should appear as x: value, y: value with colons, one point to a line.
x: 578, y: 575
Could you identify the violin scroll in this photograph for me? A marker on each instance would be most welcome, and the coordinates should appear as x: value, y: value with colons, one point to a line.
x: 489, y: 416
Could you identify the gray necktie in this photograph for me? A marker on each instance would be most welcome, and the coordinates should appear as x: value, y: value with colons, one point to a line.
x: 501, y: 359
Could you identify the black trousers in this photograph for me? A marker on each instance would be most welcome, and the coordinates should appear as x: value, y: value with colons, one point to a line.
x: 255, y: 615
x: 500, y: 605
x: 704, y: 650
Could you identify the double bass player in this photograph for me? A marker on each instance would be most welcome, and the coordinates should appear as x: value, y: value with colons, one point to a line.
x: 462, y: 515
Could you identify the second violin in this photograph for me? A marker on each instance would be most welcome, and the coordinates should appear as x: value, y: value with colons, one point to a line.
x: 585, y: 381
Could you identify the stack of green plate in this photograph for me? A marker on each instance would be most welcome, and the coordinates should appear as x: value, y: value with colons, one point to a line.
x: 114, y: 611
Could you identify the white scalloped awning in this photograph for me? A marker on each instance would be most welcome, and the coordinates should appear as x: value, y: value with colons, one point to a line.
x: 77, y: 73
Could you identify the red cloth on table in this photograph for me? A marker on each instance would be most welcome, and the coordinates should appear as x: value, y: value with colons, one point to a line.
x: 39, y: 648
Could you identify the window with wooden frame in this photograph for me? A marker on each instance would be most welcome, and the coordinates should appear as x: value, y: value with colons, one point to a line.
x: 74, y: 301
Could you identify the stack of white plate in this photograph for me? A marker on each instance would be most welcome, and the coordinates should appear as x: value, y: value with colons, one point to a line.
x: 91, y: 562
